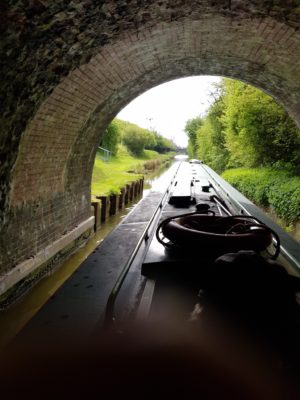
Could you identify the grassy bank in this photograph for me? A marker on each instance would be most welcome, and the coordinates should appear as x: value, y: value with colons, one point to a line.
x: 109, y: 178
x: 277, y: 190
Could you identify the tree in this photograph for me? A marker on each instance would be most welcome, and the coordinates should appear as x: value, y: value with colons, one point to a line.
x: 162, y: 144
x: 258, y: 132
x: 150, y: 138
x: 190, y: 129
x: 211, y: 146
x: 135, y: 139
x: 245, y: 127
x: 144, y: 138
x: 111, y: 138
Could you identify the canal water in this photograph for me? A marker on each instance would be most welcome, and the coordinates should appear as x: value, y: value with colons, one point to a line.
x: 13, y: 319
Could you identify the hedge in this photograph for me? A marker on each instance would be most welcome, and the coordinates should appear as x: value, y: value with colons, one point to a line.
x: 270, y: 188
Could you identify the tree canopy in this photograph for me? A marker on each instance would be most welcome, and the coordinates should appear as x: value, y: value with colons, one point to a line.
x: 191, y: 129
x: 135, y: 138
x: 244, y: 127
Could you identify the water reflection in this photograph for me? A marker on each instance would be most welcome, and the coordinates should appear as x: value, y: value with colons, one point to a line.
x: 159, y: 181
x: 181, y: 157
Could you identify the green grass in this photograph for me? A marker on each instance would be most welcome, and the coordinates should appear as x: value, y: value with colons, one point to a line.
x: 108, y: 178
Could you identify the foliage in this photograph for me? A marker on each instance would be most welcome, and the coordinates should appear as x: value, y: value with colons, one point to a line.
x: 258, y: 132
x: 269, y: 187
x: 191, y: 128
x: 111, y: 138
x: 285, y: 198
x: 211, y: 146
x: 244, y: 127
x: 136, y: 139
x: 162, y: 144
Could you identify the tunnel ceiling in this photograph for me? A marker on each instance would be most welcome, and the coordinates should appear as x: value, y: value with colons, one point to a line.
x: 68, y: 67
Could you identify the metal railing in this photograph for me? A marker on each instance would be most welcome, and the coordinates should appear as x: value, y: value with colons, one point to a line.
x: 109, y: 317
x: 104, y: 154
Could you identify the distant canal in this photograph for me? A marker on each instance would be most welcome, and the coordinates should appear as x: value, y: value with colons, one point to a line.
x: 13, y: 319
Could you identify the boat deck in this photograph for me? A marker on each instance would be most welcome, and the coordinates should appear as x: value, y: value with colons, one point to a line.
x: 158, y: 284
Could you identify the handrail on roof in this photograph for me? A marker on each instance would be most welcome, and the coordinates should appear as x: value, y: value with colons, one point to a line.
x: 109, y: 317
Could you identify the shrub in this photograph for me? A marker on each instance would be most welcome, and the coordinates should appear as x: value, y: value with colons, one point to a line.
x: 268, y: 187
x: 136, y: 139
x: 111, y: 138
x: 284, y: 197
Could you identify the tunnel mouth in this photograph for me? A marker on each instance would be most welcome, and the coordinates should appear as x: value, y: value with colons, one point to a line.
x: 69, y: 70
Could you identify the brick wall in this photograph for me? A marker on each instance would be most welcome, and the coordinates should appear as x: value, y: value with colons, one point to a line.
x: 68, y: 70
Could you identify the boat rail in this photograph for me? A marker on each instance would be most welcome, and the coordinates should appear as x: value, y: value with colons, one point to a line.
x: 109, y: 317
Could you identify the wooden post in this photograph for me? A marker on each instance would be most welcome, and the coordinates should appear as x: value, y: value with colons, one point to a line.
x: 105, y: 205
x: 114, y: 204
x: 122, y: 198
x: 127, y: 194
x: 131, y: 191
x: 136, y: 188
x: 142, y: 185
x: 96, y: 206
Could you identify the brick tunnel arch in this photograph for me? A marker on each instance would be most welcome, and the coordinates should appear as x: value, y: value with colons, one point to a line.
x: 49, y: 142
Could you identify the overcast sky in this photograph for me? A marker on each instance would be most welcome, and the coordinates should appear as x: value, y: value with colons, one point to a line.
x: 167, y: 107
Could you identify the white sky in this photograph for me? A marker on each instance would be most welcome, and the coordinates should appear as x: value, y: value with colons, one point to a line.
x: 167, y: 107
